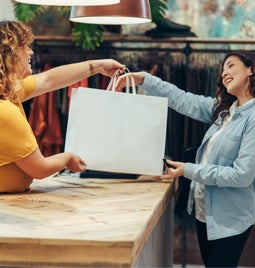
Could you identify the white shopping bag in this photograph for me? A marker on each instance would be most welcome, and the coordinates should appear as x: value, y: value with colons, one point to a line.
x: 117, y: 131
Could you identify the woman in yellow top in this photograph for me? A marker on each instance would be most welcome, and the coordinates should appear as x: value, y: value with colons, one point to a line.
x: 20, y: 157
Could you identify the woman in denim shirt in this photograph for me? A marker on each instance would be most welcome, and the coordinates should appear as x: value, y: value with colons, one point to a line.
x: 222, y: 179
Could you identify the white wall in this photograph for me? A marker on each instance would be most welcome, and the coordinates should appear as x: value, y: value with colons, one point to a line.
x: 6, y: 10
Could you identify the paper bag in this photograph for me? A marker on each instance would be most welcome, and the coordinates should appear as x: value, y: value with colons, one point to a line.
x: 117, y: 131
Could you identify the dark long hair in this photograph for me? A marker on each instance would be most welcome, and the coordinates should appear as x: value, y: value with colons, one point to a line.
x: 224, y: 99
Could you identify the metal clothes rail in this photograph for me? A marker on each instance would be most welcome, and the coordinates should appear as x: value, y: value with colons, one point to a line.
x: 123, y: 43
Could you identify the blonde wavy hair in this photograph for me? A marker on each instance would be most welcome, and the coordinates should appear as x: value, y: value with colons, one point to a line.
x: 14, y: 38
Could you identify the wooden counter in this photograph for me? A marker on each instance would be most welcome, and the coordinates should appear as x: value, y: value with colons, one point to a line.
x: 66, y: 221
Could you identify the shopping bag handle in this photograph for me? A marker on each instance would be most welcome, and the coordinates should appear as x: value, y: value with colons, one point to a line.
x: 112, y: 83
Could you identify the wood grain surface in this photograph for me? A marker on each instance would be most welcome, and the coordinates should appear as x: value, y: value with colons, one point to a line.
x: 65, y: 220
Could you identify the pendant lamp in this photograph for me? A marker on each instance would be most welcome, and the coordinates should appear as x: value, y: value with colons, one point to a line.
x: 69, y: 2
x: 126, y: 12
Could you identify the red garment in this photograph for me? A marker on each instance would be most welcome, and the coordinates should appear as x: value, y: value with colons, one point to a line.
x: 45, y: 123
x: 82, y: 83
x: 104, y: 81
x: 44, y: 120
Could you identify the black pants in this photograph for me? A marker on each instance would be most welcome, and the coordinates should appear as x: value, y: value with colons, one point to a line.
x: 225, y: 252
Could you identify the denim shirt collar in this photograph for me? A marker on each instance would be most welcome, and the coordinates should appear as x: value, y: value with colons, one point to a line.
x: 235, y: 110
x: 245, y: 107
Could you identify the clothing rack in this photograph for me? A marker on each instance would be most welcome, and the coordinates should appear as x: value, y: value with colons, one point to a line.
x: 51, y: 47
x: 178, y: 56
x: 144, y: 53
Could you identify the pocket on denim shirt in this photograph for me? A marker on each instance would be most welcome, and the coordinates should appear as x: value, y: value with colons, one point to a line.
x: 229, y: 146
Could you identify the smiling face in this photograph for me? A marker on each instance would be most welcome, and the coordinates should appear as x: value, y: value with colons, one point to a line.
x: 235, y: 77
x: 25, y: 60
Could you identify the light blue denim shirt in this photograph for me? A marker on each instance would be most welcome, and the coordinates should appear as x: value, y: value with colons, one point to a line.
x: 229, y: 174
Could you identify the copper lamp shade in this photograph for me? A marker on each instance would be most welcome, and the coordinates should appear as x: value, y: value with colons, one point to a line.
x: 69, y: 2
x: 126, y: 12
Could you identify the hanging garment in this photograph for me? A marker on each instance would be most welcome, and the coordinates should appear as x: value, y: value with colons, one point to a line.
x: 82, y: 83
x: 45, y: 123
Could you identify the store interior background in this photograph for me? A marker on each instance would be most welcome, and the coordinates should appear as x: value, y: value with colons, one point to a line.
x: 230, y: 19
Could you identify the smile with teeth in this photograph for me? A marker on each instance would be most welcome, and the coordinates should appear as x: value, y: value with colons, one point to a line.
x: 228, y: 80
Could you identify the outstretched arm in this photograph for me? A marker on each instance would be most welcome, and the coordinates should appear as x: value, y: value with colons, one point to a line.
x: 66, y: 75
